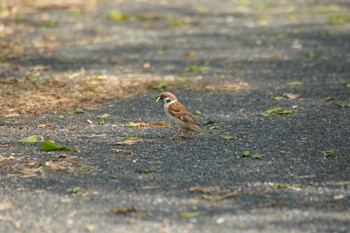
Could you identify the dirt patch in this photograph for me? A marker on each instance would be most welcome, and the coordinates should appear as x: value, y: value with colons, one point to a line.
x: 32, y: 95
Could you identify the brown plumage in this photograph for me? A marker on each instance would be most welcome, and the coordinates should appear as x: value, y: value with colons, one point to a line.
x: 179, y: 115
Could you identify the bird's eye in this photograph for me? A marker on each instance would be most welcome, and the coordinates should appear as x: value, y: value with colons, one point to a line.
x: 168, y: 100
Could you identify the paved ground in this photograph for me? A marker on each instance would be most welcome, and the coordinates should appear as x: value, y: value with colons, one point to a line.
x: 195, y: 184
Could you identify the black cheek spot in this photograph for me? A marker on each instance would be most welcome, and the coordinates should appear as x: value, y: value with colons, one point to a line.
x: 168, y: 100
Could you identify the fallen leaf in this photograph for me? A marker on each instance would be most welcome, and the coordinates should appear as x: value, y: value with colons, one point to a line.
x: 207, y: 197
x: 194, y: 68
x: 78, y: 111
x: 33, y: 138
x: 279, y: 186
x: 128, y: 152
x: 101, y: 122
x: 134, y: 124
x: 214, y: 127
x: 48, y: 145
x: 90, y: 228
x: 229, y: 137
x: 330, y: 98
x: 103, y: 116
x: 190, y: 53
x: 329, y: 153
x: 127, y: 142
x: 257, y: 156
x: 278, y: 110
x: 157, y: 123
x: 210, y: 122
x: 142, y: 124
x: 197, y: 112
x: 46, y: 126
x: 277, y: 97
x: 161, y: 85
x: 132, y: 136
x: 113, y: 176
x: 75, y: 189
x: 347, y: 85
x: 246, y: 153
x: 192, y: 214
x: 309, y: 54
x: 145, y: 170
x: 295, y: 83
x: 204, y: 189
x: 342, y: 105
x: 123, y: 210
x: 291, y: 96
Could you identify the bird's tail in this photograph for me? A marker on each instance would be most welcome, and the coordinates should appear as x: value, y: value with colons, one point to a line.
x: 202, y: 131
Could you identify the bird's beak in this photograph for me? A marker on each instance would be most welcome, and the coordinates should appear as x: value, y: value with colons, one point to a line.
x: 157, y: 99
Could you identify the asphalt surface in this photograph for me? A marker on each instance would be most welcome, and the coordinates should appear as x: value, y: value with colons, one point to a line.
x: 292, y: 188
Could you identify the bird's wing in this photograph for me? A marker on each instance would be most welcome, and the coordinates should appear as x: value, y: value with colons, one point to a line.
x: 179, y: 111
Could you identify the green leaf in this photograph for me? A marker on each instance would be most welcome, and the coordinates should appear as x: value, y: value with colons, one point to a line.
x: 48, y: 145
x: 75, y: 189
x: 330, y: 98
x: 210, y: 122
x: 309, y: 54
x: 113, y: 177
x: 279, y: 186
x: 161, y: 85
x: 103, y: 116
x: 264, y: 114
x: 145, y: 170
x: 347, y: 85
x: 246, y: 153
x: 132, y: 136
x: 197, y: 112
x: 33, y: 138
x: 101, y: 122
x: 90, y: 228
x: 78, y: 111
x: 329, y: 153
x: 214, y: 127
x: 257, y: 156
x: 277, y: 97
x: 229, y: 137
x: 207, y: 197
x: 116, y: 15
x: 342, y: 105
x: 192, y: 214
x: 279, y: 111
x: 194, y: 68
x: 295, y: 83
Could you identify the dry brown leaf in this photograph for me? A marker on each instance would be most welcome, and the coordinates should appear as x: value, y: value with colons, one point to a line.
x: 124, y: 210
x: 46, y: 126
x: 127, y: 142
x: 128, y: 152
x: 291, y: 96
x: 157, y: 123
x: 204, y: 189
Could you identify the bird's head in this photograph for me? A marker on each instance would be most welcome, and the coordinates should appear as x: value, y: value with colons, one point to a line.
x: 166, y: 97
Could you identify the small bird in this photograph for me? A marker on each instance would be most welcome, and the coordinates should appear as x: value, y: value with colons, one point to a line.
x: 179, y: 115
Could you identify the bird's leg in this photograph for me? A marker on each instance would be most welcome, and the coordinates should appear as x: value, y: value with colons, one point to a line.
x: 176, y: 135
x: 185, y: 133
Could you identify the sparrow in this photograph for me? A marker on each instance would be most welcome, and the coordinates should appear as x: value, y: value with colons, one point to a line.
x: 179, y: 115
